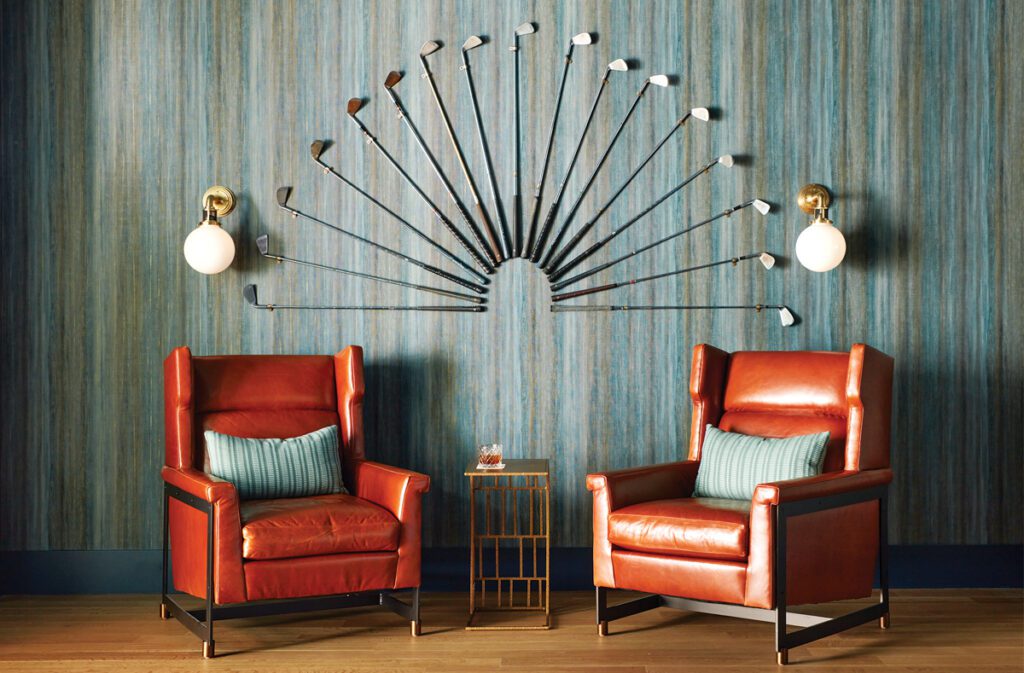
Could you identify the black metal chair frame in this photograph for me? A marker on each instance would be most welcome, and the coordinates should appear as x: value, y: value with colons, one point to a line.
x: 200, y: 621
x: 815, y: 627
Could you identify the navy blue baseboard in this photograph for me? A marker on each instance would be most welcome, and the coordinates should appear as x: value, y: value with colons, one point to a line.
x: 138, y: 571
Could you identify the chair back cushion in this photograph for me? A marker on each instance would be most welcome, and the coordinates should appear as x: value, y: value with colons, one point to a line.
x: 786, y: 393
x: 732, y: 465
x: 277, y: 468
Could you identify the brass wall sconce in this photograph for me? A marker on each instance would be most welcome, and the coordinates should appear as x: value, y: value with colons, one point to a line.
x: 820, y: 247
x: 209, y: 249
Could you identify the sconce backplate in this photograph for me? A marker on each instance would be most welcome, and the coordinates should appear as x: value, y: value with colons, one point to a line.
x: 812, y: 197
x: 221, y: 198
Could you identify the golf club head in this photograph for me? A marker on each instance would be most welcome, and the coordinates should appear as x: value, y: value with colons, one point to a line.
x: 473, y: 42
x: 317, y: 148
x: 658, y: 80
x: 525, y: 29
x: 263, y: 243
x: 619, y: 64
x: 354, y: 106
x: 701, y: 113
x: 761, y: 206
x: 786, y: 317
x: 583, y: 38
x: 282, y: 198
x: 726, y: 160
x: 249, y: 292
x: 392, y: 79
x: 767, y: 261
x: 429, y: 47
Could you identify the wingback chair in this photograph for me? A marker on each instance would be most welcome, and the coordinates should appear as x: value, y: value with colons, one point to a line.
x: 321, y: 552
x: 796, y: 542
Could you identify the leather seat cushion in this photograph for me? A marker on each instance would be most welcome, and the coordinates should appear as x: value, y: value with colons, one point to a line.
x: 715, y: 528
x: 325, y: 524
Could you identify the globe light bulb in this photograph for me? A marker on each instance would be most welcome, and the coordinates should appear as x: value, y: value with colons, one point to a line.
x: 209, y: 249
x: 821, y: 247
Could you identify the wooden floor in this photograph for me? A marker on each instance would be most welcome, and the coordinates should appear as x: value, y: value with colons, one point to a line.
x: 948, y: 630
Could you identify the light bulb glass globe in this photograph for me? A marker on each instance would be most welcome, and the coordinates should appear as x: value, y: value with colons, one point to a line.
x: 209, y: 249
x: 821, y: 247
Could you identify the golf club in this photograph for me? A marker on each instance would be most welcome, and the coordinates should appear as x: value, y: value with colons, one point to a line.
x: 428, y: 48
x: 725, y: 160
x: 549, y: 219
x: 517, y: 199
x: 785, y: 316
x: 553, y: 260
x: 766, y: 260
x: 761, y: 207
x: 249, y: 292
x: 263, y: 244
x: 317, y: 149
x: 354, y: 105
x: 538, y: 189
x: 282, y: 201
x: 393, y: 79
x: 657, y: 80
x: 504, y: 238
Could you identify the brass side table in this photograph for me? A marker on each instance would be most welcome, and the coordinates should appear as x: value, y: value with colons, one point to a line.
x: 510, y: 541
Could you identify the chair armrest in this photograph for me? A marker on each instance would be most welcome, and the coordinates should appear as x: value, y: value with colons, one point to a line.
x: 387, y: 486
x: 401, y: 493
x: 621, y: 488
x: 200, y: 484
x: 830, y: 483
x: 643, y: 484
x: 188, y: 532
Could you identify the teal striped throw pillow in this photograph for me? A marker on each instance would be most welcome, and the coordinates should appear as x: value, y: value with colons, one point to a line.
x: 732, y: 465
x: 277, y: 468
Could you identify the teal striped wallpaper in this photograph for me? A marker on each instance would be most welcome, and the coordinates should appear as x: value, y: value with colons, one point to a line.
x: 117, y: 115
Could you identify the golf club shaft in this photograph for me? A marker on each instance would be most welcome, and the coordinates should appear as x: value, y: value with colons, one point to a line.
x: 446, y: 309
x: 593, y: 176
x: 538, y: 190
x: 443, y: 250
x: 554, y: 259
x: 382, y: 248
x: 448, y: 224
x: 712, y: 307
x: 549, y: 219
x: 439, y: 172
x: 637, y: 281
x: 565, y: 268
x: 379, y: 279
x: 504, y: 239
x: 597, y: 269
x: 494, y: 248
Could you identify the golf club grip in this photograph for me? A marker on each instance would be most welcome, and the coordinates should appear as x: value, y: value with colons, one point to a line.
x: 576, y: 261
x: 517, y: 225
x: 475, y: 231
x: 583, y: 293
x: 464, y: 242
x: 557, y: 259
x: 491, y: 233
x: 545, y: 231
x: 531, y: 238
x: 453, y: 278
x: 573, y: 309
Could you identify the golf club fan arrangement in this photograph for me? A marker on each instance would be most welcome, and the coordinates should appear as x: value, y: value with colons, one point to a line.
x: 489, y: 238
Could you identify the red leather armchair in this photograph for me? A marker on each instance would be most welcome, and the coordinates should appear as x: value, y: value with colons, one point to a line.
x: 796, y: 542
x: 320, y: 552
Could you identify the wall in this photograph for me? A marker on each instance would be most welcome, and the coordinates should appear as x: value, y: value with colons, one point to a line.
x: 117, y: 115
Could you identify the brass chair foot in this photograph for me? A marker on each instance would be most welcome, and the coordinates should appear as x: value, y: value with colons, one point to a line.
x: 164, y: 614
x: 415, y: 627
x: 208, y: 650
x: 602, y: 628
x: 883, y: 621
x: 782, y: 657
